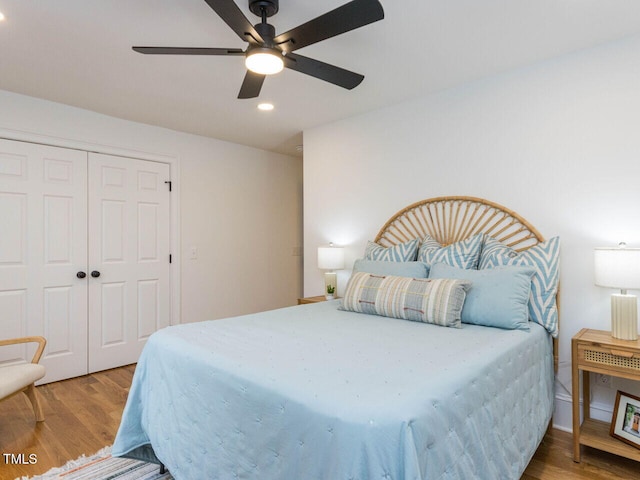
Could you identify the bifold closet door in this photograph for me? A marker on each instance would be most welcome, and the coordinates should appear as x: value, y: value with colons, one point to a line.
x: 129, y: 240
x: 43, y: 252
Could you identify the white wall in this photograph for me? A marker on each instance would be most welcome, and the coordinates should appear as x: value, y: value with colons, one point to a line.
x: 558, y: 142
x: 240, y: 206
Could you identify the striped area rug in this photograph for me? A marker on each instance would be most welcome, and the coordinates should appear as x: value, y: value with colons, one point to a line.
x: 102, y: 466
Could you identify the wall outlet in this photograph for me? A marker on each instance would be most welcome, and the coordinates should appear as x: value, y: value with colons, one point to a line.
x: 603, y: 380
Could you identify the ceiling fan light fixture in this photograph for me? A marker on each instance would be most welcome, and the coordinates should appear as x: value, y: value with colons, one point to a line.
x: 264, y: 61
x: 268, y: 53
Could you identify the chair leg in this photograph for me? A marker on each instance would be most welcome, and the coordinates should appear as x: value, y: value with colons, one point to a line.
x: 31, y: 393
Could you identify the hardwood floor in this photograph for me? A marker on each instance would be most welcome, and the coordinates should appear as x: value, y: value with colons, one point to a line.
x: 82, y: 416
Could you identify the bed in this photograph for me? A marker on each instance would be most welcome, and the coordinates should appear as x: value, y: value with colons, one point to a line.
x: 317, y: 392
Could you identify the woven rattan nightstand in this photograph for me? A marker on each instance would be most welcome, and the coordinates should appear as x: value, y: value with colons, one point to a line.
x: 597, y: 351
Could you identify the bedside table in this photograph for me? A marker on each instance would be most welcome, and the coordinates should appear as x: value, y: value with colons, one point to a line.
x: 597, y: 351
x: 319, y: 298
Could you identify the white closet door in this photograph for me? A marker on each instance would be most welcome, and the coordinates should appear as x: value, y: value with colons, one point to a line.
x: 129, y: 247
x: 43, y: 228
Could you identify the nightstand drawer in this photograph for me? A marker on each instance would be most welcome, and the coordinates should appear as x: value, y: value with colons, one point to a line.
x: 606, y: 357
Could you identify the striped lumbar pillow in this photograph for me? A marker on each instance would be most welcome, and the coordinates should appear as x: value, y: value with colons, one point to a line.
x: 403, y: 252
x: 544, y: 258
x: 464, y: 254
x: 437, y: 301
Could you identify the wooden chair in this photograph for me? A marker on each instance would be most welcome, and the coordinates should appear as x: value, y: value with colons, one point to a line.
x: 22, y: 377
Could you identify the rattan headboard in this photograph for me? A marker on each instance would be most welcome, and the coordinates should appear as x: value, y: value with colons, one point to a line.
x: 451, y: 219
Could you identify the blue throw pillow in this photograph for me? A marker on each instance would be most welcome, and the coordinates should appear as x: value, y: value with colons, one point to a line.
x: 463, y: 254
x: 403, y: 252
x: 545, y: 258
x: 499, y: 297
x: 399, y: 269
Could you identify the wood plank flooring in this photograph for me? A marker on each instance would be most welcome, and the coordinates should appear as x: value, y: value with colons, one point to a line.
x: 82, y: 416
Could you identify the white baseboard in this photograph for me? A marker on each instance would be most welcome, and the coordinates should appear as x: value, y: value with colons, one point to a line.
x: 563, y: 412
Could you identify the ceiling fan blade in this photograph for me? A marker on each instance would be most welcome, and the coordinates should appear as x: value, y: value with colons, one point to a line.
x: 251, y: 85
x: 188, y: 51
x: 324, y: 71
x: 349, y: 16
x: 233, y: 16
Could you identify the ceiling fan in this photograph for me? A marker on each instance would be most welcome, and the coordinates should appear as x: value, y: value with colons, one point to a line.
x: 268, y: 53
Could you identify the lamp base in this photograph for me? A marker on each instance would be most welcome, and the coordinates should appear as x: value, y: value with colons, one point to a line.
x: 330, y: 279
x: 624, y: 317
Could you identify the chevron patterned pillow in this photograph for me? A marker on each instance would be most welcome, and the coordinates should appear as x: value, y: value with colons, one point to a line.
x: 464, y: 254
x: 437, y: 301
x: 403, y: 252
x: 545, y: 258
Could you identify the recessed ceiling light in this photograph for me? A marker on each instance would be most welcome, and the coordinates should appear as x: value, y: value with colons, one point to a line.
x: 2, y: 17
x: 265, y: 107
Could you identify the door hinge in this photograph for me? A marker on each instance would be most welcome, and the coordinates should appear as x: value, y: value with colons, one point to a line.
x: 170, y: 258
x: 169, y: 182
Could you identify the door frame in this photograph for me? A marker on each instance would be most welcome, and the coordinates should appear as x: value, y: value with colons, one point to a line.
x: 174, y: 168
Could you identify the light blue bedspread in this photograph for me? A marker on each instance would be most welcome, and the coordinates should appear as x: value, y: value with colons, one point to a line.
x: 310, y: 392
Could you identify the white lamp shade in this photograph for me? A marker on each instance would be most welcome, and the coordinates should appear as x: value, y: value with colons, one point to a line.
x: 617, y: 267
x: 330, y: 258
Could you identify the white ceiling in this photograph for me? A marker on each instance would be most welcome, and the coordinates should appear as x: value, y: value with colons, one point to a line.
x: 79, y: 53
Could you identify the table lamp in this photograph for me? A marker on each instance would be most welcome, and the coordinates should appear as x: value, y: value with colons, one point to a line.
x: 330, y: 258
x: 620, y: 268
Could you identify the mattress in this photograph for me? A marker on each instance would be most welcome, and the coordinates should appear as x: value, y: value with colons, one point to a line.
x: 312, y: 392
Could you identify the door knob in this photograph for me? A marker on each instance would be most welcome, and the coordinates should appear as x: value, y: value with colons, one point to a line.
x: 95, y: 274
x: 81, y: 274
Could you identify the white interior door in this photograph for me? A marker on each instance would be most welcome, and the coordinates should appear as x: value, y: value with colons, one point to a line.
x: 129, y: 239
x: 43, y: 228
